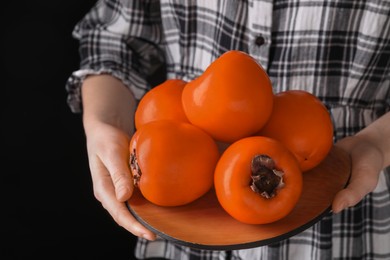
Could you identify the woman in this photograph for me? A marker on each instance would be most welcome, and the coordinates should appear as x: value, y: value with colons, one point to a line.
x: 337, y: 51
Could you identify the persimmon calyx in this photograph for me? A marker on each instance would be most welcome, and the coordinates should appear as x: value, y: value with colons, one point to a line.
x: 266, y: 179
x: 135, y: 169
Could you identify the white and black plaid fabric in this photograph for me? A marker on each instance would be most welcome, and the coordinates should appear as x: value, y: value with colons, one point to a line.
x: 337, y: 50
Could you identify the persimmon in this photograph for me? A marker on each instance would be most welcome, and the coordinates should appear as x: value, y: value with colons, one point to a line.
x: 232, y: 99
x: 258, y: 180
x: 301, y: 122
x: 172, y: 162
x: 161, y: 102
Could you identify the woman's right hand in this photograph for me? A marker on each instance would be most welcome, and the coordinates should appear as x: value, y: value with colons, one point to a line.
x: 108, y: 113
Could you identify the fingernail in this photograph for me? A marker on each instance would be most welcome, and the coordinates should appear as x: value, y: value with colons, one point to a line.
x: 147, y: 236
x: 339, y: 208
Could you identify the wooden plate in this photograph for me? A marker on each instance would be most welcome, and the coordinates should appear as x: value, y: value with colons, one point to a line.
x: 204, y: 224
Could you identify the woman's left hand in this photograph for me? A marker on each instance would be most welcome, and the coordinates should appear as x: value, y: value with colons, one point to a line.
x: 367, y: 163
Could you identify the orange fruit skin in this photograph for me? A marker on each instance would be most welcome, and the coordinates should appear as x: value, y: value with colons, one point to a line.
x: 177, y: 161
x: 232, y: 99
x: 301, y: 122
x: 161, y: 102
x: 232, y: 180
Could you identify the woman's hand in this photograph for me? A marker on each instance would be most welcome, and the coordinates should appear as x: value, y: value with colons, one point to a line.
x: 112, y: 182
x: 108, y: 118
x: 370, y: 153
x: 367, y: 162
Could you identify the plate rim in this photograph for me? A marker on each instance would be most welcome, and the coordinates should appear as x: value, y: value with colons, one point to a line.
x: 245, y: 245
x: 239, y: 246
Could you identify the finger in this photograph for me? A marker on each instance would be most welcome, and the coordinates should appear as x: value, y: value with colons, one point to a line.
x: 364, y: 178
x: 117, y: 164
x: 104, y: 191
x: 346, y: 198
x: 122, y: 216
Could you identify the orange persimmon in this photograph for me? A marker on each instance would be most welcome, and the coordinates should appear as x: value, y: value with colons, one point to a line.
x: 302, y: 123
x: 232, y: 99
x: 258, y: 180
x: 161, y: 102
x: 172, y: 162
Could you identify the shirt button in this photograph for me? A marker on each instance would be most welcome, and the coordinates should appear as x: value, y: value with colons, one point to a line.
x: 259, y: 40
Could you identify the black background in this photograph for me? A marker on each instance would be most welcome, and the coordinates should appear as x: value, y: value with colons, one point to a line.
x: 47, y: 205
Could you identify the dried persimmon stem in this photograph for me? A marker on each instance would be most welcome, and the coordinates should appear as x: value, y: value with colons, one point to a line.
x: 134, y: 167
x: 266, y: 179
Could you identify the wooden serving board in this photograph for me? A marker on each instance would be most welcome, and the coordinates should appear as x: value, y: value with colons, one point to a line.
x: 204, y: 224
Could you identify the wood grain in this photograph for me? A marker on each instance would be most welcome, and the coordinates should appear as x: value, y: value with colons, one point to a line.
x: 204, y: 224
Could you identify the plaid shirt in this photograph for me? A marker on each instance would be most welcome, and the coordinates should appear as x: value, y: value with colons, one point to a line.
x: 337, y: 50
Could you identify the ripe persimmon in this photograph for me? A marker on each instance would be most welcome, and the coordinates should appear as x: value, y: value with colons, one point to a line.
x: 232, y: 99
x: 161, y: 102
x: 172, y: 162
x: 258, y: 180
x: 301, y: 122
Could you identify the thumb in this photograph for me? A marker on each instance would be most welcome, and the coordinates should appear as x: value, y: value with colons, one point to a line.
x: 366, y: 166
x: 117, y: 166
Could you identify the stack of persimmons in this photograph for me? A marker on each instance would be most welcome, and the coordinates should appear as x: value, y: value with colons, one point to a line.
x: 228, y: 131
